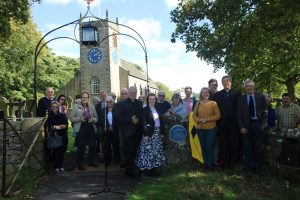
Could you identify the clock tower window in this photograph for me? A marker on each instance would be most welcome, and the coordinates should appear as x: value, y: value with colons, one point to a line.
x: 95, y: 85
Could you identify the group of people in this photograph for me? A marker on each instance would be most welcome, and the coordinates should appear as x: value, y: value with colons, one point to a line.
x: 230, y: 126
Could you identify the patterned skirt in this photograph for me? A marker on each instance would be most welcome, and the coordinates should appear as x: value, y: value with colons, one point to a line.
x: 150, y: 153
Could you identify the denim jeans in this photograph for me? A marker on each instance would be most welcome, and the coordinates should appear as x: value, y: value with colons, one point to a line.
x: 208, y: 141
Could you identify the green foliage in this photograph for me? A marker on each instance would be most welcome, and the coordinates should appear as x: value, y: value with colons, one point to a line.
x: 182, y: 182
x: 249, y: 38
x: 56, y: 71
x: 16, y: 10
x: 16, y: 61
x: 16, y: 64
x: 166, y: 89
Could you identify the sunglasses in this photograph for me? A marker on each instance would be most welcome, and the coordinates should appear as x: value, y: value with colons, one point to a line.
x: 62, y: 99
x: 109, y: 102
x: 161, y: 95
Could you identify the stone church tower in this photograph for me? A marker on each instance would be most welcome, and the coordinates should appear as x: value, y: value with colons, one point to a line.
x: 100, y: 64
x: 103, y: 69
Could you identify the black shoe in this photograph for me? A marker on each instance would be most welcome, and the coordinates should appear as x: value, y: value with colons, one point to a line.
x: 146, y: 172
x: 134, y: 175
x: 257, y: 171
x: 81, y: 167
x: 156, y: 172
x: 93, y: 165
x: 123, y: 165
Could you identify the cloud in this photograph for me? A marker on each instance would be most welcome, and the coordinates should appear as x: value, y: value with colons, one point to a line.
x: 171, y: 3
x: 148, y: 28
x: 168, y: 62
x: 94, y: 3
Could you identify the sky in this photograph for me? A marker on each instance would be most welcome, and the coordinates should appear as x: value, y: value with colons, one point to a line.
x: 167, y: 62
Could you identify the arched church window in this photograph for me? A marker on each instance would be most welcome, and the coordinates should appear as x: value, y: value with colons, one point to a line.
x: 95, y: 85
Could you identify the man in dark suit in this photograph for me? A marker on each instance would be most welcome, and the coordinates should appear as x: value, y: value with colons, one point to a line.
x: 162, y: 105
x: 251, y: 115
x: 227, y: 125
x: 45, y: 102
x: 130, y: 119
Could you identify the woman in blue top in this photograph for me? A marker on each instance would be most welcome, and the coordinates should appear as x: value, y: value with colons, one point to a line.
x: 177, y: 106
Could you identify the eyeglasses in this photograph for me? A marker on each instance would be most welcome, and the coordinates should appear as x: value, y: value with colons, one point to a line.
x: 123, y: 93
x: 109, y: 102
x: 161, y: 95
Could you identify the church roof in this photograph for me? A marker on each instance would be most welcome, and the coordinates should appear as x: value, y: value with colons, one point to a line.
x: 136, y: 71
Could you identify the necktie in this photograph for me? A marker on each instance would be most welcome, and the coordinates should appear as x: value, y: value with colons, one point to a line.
x: 251, y: 107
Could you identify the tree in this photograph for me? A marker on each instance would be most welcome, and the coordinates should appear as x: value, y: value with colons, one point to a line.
x: 257, y: 39
x: 17, y: 10
x: 166, y: 89
x: 16, y: 64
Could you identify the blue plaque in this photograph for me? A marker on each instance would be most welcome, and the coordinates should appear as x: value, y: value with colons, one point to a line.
x: 178, y: 134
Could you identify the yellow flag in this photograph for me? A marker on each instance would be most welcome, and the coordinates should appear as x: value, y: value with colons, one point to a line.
x: 194, y: 140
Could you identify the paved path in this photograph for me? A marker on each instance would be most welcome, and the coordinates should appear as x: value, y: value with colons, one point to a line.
x: 79, y: 184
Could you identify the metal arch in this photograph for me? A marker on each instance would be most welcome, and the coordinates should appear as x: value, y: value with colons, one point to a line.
x: 76, y: 22
x: 36, y: 55
x: 143, y: 47
x: 55, y: 39
x: 128, y: 36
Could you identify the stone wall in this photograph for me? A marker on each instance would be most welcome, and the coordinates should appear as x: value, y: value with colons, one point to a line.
x: 72, y: 88
x: 15, y: 149
x: 273, y: 144
x: 273, y: 149
x: 140, y: 84
x: 176, y: 153
x: 14, y: 146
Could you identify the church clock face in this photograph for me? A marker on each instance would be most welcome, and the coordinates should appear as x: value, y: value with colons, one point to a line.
x: 94, y: 55
x: 115, y: 55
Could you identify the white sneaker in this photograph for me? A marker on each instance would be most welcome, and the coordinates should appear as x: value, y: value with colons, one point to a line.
x: 61, y: 170
x: 56, y: 170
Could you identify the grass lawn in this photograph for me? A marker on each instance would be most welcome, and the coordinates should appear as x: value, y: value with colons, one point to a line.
x: 26, y: 183
x: 190, y: 183
x: 71, y: 148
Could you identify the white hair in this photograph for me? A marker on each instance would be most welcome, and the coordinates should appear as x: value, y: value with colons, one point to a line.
x: 248, y: 82
x: 48, y: 88
x: 132, y: 89
x: 109, y: 98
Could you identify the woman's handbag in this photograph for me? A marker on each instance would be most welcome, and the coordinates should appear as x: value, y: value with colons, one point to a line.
x: 54, y: 141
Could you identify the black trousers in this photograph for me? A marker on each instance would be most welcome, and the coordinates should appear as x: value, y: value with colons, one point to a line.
x: 229, y: 143
x: 111, y: 144
x: 86, y: 137
x: 99, y: 140
x: 253, y: 146
x: 58, y: 156
x: 130, y: 152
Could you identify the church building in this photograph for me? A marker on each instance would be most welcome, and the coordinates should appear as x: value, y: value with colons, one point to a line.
x: 103, y: 69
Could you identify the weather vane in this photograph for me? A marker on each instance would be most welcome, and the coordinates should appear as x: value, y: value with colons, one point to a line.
x: 89, y: 1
